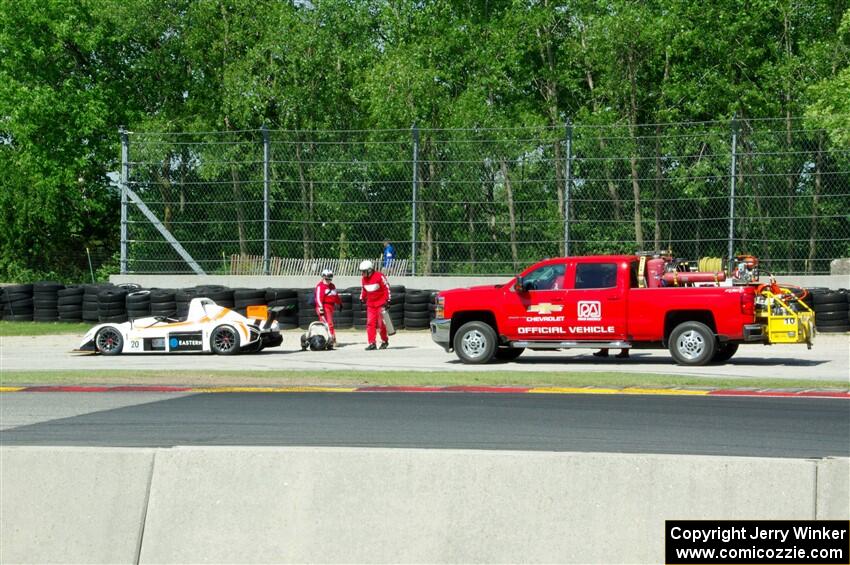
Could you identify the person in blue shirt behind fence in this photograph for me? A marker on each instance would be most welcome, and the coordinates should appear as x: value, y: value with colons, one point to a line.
x: 388, y: 256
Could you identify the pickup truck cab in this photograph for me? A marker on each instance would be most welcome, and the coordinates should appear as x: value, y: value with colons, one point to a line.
x: 595, y: 301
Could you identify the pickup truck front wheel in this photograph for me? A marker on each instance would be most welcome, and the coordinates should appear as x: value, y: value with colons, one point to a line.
x: 475, y: 342
x: 692, y: 343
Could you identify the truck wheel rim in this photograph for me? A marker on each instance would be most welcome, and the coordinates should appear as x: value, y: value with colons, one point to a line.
x: 691, y: 345
x: 474, y: 343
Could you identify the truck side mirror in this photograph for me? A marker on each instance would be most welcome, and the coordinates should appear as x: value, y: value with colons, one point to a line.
x: 518, y: 284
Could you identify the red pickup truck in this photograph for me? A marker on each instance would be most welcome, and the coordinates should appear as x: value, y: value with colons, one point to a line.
x: 595, y: 301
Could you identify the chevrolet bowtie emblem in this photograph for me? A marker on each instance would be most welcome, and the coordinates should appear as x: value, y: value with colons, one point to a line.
x: 545, y: 308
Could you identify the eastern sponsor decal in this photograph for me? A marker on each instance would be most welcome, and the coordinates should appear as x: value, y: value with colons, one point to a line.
x: 185, y: 342
x: 545, y: 308
x: 590, y: 310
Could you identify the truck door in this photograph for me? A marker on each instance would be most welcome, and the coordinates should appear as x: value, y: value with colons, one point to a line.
x: 595, y: 306
x: 536, y: 312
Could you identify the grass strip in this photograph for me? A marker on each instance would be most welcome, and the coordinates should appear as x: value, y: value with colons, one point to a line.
x: 402, y: 378
x: 14, y: 329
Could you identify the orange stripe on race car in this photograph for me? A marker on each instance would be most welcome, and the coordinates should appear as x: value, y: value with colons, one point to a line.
x: 175, y: 324
x: 220, y: 315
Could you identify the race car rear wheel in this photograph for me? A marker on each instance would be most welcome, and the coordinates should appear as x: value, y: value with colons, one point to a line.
x: 109, y: 341
x: 224, y: 340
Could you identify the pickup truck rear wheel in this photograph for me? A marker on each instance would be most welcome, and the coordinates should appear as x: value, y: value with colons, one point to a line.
x: 475, y: 343
x: 692, y: 343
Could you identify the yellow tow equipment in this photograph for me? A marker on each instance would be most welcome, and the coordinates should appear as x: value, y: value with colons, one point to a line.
x: 784, y: 315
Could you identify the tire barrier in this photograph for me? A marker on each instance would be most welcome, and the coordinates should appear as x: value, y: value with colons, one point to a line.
x: 90, y: 301
x: 832, y: 313
x: 163, y: 303
x: 112, y: 305
x: 18, y: 303
x: 46, y: 301
x: 416, y: 309
x: 411, y: 309
x: 69, y: 302
x: 138, y: 304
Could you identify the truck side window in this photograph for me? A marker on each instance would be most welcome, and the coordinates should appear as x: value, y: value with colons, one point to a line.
x: 596, y: 275
x: 548, y: 277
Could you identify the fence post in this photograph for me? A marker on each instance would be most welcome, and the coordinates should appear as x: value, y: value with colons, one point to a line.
x: 732, y: 179
x: 415, y: 131
x: 568, y: 182
x: 266, y: 158
x: 124, y: 179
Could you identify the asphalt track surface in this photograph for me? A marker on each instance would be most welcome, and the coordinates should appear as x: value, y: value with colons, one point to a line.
x: 829, y: 359
x: 768, y: 427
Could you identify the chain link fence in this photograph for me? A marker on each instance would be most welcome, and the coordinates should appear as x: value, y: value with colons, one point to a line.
x: 483, y: 201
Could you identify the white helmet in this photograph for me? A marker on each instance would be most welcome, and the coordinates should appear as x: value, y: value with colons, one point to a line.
x: 327, y: 273
x: 366, y: 265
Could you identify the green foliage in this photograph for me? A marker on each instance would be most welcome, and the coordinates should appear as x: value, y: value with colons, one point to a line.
x: 73, y: 71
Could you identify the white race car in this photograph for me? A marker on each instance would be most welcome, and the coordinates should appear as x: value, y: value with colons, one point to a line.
x: 207, y: 328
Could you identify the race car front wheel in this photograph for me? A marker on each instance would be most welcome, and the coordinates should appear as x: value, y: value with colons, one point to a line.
x: 224, y: 340
x: 109, y: 341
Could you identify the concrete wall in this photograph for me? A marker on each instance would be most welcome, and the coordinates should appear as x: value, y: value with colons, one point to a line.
x: 72, y: 505
x: 437, y: 283
x: 333, y: 505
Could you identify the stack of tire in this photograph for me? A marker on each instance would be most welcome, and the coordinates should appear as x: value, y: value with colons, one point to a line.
x: 112, y: 305
x: 398, y: 296
x: 138, y: 304
x: 90, y: 301
x: 287, y: 299
x: 221, y: 295
x: 45, y: 300
x: 344, y: 316
x: 182, y: 298
x: 416, y: 314
x: 244, y: 297
x: 306, y: 310
x: 17, y: 303
x: 162, y: 303
x: 358, y: 309
x: 70, y: 303
x: 831, y: 310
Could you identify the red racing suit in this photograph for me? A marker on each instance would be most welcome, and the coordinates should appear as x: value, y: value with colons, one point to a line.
x: 375, y: 293
x: 326, y: 299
